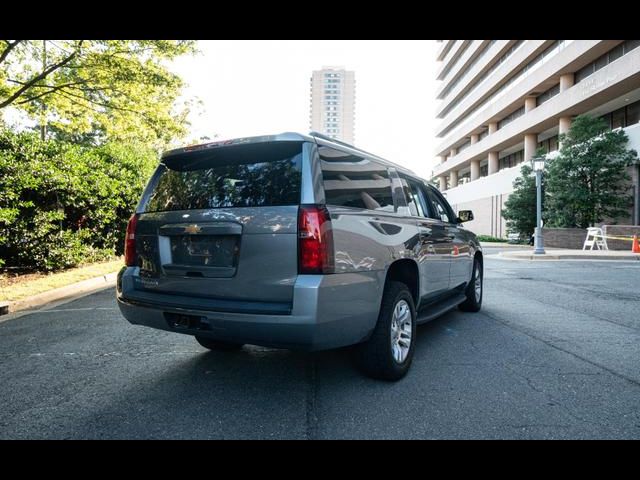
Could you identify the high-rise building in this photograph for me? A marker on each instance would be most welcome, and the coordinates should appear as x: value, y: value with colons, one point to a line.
x: 502, y: 99
x: 333, y: 96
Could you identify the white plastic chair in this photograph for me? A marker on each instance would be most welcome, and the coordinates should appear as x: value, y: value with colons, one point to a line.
x: 595, y: 238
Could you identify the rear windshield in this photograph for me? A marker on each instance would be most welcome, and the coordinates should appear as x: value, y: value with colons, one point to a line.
x: 258, y: 175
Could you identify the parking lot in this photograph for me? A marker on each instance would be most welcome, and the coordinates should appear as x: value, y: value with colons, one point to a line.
x: 554, y: 353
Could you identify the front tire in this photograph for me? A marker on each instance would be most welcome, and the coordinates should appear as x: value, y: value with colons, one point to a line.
x: 218, y: 345
x: 387, y: 355
x: 474, y: 290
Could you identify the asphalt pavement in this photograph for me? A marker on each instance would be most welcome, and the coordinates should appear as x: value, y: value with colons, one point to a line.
x: 554, y: 353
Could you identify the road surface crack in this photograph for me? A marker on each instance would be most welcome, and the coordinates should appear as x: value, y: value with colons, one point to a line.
x: 552, y: 345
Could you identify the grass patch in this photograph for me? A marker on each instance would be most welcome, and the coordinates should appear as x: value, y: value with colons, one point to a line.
x: 489, y: 238
x: 17, y: 287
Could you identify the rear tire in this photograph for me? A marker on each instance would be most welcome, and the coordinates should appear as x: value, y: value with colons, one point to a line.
x: 218, y: 345
x: 388, y: 353
x: 474, y: 290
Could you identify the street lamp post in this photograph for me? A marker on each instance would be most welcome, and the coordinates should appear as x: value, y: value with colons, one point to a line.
x: 538, y: 167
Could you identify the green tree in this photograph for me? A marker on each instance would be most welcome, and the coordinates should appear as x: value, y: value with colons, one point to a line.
x: 520, y: 207
x: 588, y: 181
x: 92, y: 90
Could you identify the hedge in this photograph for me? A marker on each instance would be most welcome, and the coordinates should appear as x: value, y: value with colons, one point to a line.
x: 63, y: 204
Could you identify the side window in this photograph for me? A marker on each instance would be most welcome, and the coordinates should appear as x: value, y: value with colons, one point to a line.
x: 354, y: 181
x: 415, y: 197
x: 439, y: 207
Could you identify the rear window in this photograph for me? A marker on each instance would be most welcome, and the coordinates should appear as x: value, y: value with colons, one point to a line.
x: 255, y: 175
x: 353, y: 181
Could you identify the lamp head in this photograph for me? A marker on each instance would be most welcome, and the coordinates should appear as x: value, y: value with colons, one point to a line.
x: 537, y: 163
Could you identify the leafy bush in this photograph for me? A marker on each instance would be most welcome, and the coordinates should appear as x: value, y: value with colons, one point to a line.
x: 63, y: 204
x: 489, y: 238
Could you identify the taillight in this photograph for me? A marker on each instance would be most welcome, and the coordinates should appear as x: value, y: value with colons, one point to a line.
x: 315, y: 240
x: 130, y: 257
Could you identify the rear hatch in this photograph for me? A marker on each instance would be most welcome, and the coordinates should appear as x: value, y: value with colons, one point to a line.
x: 220, y: 224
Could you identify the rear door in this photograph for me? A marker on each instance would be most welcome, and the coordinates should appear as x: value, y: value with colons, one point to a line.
x: 435, y: 245
x: 459, y: 250
x: 222, y: 223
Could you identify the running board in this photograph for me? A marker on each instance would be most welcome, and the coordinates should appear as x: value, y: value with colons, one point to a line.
x: 432, y: 312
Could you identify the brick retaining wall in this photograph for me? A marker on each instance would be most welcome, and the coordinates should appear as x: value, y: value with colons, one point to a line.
x: 564, y: 237
x: 621, y: 231
x: 574, y: 238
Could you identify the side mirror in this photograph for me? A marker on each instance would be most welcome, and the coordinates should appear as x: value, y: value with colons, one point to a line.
x: 465, y: 216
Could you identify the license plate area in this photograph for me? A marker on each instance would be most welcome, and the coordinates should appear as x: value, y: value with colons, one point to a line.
x: 218, y: 251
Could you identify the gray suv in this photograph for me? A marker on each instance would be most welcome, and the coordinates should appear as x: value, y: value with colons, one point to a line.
x: 296, y: 241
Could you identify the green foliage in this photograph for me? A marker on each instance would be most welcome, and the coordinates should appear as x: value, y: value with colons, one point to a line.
x: 97, y: 90
x: 63, y: 204
x: 489, y: 238
x: 587, y: 182
x: 520, y: 207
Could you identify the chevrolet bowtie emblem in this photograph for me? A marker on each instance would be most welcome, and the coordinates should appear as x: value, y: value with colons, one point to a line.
x: 192, y: 229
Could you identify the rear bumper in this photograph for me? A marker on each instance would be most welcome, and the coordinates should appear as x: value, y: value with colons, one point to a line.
x: 328, y: 311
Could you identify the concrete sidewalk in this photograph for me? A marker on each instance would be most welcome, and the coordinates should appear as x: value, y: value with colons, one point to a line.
x: 560, y: 254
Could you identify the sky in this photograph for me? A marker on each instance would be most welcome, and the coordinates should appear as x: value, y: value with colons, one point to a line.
x: 252, y: 87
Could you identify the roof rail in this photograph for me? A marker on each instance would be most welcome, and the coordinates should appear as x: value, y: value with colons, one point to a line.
x: 334, y: 140
x: 326, y: 137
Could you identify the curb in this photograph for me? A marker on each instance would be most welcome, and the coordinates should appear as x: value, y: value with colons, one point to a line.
x: 547, y: 256
x: 68, y: 292
x: 502, y: 245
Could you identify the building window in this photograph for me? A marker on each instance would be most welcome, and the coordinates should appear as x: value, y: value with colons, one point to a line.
x: 623, y: 117
x: 552, y: 92
x: 550, y: 144
x: 605, y: 59
x: 584, y: 72
x: 510, y: 118
x: 630, y: 45
x: 464, y: 178
x: 633, y: 113
x: 618, y: 119
x: 616, y: 53
x: 483, y: 134
x: 484, y: 170
x: 512, y: 160
x: 464, y: 146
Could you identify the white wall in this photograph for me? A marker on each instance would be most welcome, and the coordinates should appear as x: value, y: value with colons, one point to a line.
x: 501, y: 182
x: 634, y: 136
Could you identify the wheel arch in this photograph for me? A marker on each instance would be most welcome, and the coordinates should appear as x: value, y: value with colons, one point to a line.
x: 405, y: 270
